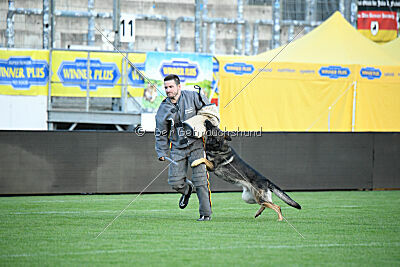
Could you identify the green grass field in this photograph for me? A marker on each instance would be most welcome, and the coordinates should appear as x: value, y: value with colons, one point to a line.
x: 340, y: 228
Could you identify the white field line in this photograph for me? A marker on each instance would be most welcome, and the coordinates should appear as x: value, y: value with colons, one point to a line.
x: 103, y: 211
x: 88, y: 200
x: 76, y: 200
x: 220, y: 196
x: 149, y: 251
x: 154, y: 210
x: 83, y: 201
x: 81, y: 212
x: 148, y: 198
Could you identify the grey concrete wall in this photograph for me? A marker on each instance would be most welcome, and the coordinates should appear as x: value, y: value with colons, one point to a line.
x: 110, y: 162
x: 150, y: 35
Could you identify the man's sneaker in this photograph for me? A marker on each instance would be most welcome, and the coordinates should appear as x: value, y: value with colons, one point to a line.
x: 184, y: 200
x: 204, y: 218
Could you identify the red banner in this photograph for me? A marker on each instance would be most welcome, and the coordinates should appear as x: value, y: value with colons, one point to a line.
x: 379, y: 26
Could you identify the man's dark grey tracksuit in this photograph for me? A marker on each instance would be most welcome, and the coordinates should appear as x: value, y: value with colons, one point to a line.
x: 184, y: 149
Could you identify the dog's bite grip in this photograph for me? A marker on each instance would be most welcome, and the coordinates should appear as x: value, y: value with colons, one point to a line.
x: 197, y: 162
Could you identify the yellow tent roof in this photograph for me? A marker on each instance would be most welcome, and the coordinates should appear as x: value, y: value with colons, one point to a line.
x: 335, y: 41
x: 393, y: 48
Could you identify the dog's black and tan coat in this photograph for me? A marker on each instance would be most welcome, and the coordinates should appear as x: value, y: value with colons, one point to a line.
x: 227, y: 165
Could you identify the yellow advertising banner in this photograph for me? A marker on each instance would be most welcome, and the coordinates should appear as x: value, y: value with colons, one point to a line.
x: 136, y: 83
x: 24, y: 72
x: 69, y: 77
x: 109, y: 73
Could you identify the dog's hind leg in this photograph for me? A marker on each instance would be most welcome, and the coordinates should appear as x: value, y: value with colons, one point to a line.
x: 258, y: 213
x: 274, y: 207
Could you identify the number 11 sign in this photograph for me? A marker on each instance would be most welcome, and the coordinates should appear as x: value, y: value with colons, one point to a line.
x: 127, y: 29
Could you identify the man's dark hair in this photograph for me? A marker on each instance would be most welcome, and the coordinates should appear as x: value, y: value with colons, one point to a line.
x: 172, y: 77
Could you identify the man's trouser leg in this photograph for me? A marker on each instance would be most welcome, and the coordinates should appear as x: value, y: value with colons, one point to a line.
x: 177, y: 173
x: 203, y: 194
x: 200, y: 179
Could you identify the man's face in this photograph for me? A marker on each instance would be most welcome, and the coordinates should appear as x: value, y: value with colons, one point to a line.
x: 171, y: 88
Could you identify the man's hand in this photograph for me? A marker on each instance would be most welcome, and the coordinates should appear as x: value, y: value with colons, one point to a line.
x: 161, y: 159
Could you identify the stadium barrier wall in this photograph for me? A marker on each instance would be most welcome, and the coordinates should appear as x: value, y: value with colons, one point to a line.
x: 44, y: 162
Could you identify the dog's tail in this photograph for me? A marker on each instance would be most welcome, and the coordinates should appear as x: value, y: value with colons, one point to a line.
x: 282, y: 195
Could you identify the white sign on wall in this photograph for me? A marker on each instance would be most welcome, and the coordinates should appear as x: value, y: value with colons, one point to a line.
x: 127, y: 29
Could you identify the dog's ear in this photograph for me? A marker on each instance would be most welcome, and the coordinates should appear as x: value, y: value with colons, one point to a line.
x: 208, y: 124
x: 227, y: 137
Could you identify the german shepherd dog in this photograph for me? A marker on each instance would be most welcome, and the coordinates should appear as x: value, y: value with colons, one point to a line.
x: 227, y: 165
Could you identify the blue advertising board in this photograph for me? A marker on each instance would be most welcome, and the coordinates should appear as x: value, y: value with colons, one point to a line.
x: 22, y: 71
x: 334, y: 72
x: 370, y: 73
x: 239, y: 68
x: 73, y: 73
